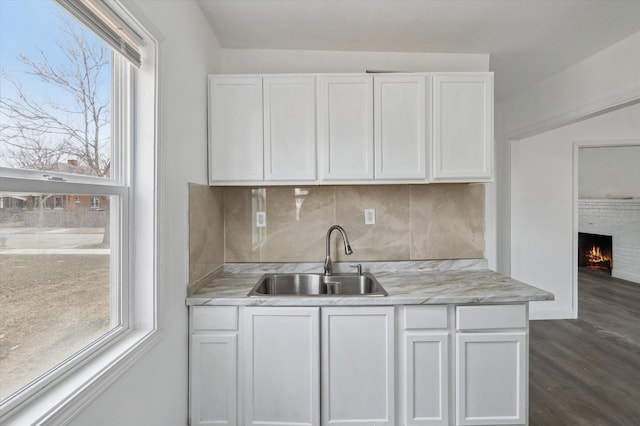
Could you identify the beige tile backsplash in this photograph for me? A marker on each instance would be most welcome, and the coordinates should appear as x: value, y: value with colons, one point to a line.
x: 413, y: 222
x: 447, y: 221
x: 206, y: 230
x: 390, y: 237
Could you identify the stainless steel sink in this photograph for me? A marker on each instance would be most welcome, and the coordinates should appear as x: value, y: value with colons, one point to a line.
x: 351, y: 284
x: 318, y: 285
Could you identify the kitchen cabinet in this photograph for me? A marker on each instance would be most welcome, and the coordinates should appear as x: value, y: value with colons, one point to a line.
x: 424, y: 365
x: 213, y: 366
x: 336, y: 365
x: 283, y: 360
x: 235, y: 129
x: 281, y: 366
x: 358, y: 366
x: 283, y: 129
x: 491, y: 365
x: 462, y: 146
x: 345, y: 128
x: 262, y: 129
x: 289, y: 128
x: 400, y: 121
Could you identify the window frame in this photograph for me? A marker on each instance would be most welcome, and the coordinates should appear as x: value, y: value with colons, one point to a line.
x: 57, y: 397
x: 61, y: 184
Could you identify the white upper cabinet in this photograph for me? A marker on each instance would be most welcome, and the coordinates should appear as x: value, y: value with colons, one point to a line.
x: 289, y: 128
x: 400, y: 118
x: 345, y: 128
x: 462, y: 127
x: 235, y: 129
x: 350, y: 128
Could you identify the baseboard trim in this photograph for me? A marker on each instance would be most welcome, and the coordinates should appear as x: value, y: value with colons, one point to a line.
x: 627, y: 277
x: 551, y: 314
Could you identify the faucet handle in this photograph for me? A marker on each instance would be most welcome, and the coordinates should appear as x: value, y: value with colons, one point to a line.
x: 358, y: 268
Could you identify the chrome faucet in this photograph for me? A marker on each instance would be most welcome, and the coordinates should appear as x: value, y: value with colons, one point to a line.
x: 328, y: 267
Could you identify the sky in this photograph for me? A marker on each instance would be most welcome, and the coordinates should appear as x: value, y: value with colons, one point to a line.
x: 26, y: 26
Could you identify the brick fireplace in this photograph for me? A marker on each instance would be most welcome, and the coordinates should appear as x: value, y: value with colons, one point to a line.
x: 619, y: 220
x: 595, y: 252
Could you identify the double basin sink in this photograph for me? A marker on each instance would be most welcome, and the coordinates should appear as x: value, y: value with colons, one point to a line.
x: 363, y: 284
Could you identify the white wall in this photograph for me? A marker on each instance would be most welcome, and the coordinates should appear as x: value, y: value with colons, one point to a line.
x: 542, y: 202
x: 265, y: 61
x: 622, y: 177
x: 604, y: 80
x: 609, y: 75
x: 154, y: 390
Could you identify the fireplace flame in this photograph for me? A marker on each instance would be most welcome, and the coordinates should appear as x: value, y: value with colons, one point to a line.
x: 595, y: 256
x: 595, y: 252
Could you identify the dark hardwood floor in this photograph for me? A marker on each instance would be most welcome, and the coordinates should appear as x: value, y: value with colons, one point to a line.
x: 587, y: 371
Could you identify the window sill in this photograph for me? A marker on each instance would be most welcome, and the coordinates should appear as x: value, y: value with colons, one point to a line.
x: 64, y: 399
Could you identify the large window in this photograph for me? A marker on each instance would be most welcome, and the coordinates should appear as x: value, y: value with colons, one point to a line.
x: 65, y: 195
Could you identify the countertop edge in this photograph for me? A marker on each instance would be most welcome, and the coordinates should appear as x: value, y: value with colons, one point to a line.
x: 359, y: 301
x: 417, y: 287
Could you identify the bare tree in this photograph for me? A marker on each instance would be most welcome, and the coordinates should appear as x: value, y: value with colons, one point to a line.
x: 31, y: 150
x: 37, y: 132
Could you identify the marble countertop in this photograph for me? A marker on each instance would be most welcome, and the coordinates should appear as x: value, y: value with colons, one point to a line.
x: 407, y: 283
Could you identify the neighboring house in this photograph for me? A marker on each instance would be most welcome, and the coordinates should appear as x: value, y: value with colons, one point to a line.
x: 54, y: 210
x: 18, y: 203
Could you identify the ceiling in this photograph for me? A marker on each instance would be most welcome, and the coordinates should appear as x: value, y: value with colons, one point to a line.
x: 527, y: 40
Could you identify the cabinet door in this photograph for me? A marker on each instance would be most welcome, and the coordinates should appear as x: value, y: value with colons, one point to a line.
x: 358, y: 366
x: 345, y: 128
x: 281, y: 366
x: 235, y: 129
x: 424, y: 365
x: 289, y: 128
x: 400, y: 116
x: 491, y: 378
x: 213, y: 371
x: 462, y: 128
x: 426, y: 378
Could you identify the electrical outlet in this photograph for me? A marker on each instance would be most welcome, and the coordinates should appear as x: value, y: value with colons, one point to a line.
x: 261, y: 219
x: 369, y: 216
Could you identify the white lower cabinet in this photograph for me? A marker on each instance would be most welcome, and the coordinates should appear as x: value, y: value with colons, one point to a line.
x: 283, y: 362
x: 213, y: 366
x: 492, y: 365
x: 424, y: 365
x: 358, y: 366
x: 343, y: 365
x: 281, y: 366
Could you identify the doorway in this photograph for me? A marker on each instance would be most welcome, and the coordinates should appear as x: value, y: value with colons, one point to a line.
x: 544, y: 195
x: 608, y: 207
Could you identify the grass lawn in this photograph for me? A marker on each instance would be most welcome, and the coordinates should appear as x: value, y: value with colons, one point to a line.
x: 51, y: 306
